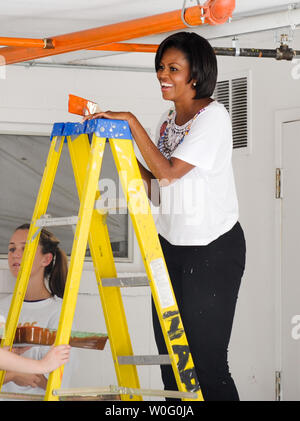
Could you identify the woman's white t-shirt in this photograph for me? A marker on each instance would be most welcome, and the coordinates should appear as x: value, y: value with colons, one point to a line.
x: 202, y: 205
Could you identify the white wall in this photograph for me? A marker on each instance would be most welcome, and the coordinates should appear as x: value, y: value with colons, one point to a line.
x: 252, y: 349
x: 39, y: 95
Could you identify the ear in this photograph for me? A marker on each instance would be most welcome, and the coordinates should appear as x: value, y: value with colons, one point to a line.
x: 47, y: 259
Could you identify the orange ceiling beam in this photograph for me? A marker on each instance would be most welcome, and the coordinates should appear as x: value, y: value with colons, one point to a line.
x: 128, y: 47
x: 212, y: 12
x: 45, y: 43
x: 26, y: 42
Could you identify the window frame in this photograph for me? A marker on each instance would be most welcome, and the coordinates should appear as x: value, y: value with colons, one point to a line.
x: 45, y: 129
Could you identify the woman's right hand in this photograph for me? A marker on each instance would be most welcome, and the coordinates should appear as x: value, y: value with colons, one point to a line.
x: 111, y: 115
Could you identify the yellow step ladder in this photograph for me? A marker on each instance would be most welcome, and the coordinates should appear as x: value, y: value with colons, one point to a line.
x: 86, y: 143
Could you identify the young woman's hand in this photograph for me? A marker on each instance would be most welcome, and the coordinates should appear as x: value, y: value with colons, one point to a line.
x: 32, y: 380
x: 57, y: 356
x: 19, y: 350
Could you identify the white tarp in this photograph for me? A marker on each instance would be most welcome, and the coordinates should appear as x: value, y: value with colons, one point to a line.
x: 22, y: 162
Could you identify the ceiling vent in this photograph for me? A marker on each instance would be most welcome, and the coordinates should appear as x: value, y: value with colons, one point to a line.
x: 233, y: 94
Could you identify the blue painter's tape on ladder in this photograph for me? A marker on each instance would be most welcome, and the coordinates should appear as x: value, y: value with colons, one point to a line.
x: 110, y: 129
x: 57, y: 130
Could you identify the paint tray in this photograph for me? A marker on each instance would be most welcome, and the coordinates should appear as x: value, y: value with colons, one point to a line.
x: 35, y: 335
x: 81, y: 106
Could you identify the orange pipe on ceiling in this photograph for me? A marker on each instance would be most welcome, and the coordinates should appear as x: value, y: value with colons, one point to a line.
x: 22, y: 42
x: 218, y: 12
x: 215, y: 12
x: 128, y: 47
x: 116, y: 46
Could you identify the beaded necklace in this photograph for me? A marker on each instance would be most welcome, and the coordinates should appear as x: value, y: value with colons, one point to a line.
x: 165, y: 145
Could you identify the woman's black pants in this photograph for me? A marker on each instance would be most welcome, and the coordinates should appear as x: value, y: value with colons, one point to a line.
x: 206, y: 281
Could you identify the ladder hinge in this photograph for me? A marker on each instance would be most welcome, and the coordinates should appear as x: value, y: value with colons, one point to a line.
x: 278, y: 184
x: 277, y: 385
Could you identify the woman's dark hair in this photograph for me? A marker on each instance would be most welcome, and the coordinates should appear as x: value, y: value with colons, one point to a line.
x: 57, y: 269
x: 201, y: 57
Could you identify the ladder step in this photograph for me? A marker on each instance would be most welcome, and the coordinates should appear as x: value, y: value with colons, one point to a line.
x: 95, y: 391
x: 47, y: 221
x: 32, y: 397
x: 144, y: 360
x: 123, y: 282
x: 22, y: 396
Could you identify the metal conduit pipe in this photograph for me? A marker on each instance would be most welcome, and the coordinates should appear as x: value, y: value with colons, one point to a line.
x: 289, y: 18
x: 281, y: 53
x: 33, y: 64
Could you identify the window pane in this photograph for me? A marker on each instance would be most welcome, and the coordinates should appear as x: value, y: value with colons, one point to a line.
x: 22, y: 162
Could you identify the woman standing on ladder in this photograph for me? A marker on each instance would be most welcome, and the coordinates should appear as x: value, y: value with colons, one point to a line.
x: 201, y: 238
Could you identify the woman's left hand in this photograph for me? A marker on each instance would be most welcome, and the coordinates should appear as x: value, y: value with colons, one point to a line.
x: 111, y: 115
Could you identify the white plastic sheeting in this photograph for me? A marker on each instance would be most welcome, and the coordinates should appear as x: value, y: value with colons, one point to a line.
x: 22, y: 162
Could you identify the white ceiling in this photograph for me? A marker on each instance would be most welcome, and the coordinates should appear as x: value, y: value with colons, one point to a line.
x: 46, y: 18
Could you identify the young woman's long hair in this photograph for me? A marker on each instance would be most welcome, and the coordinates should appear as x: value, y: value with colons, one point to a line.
x: 56, y: 271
